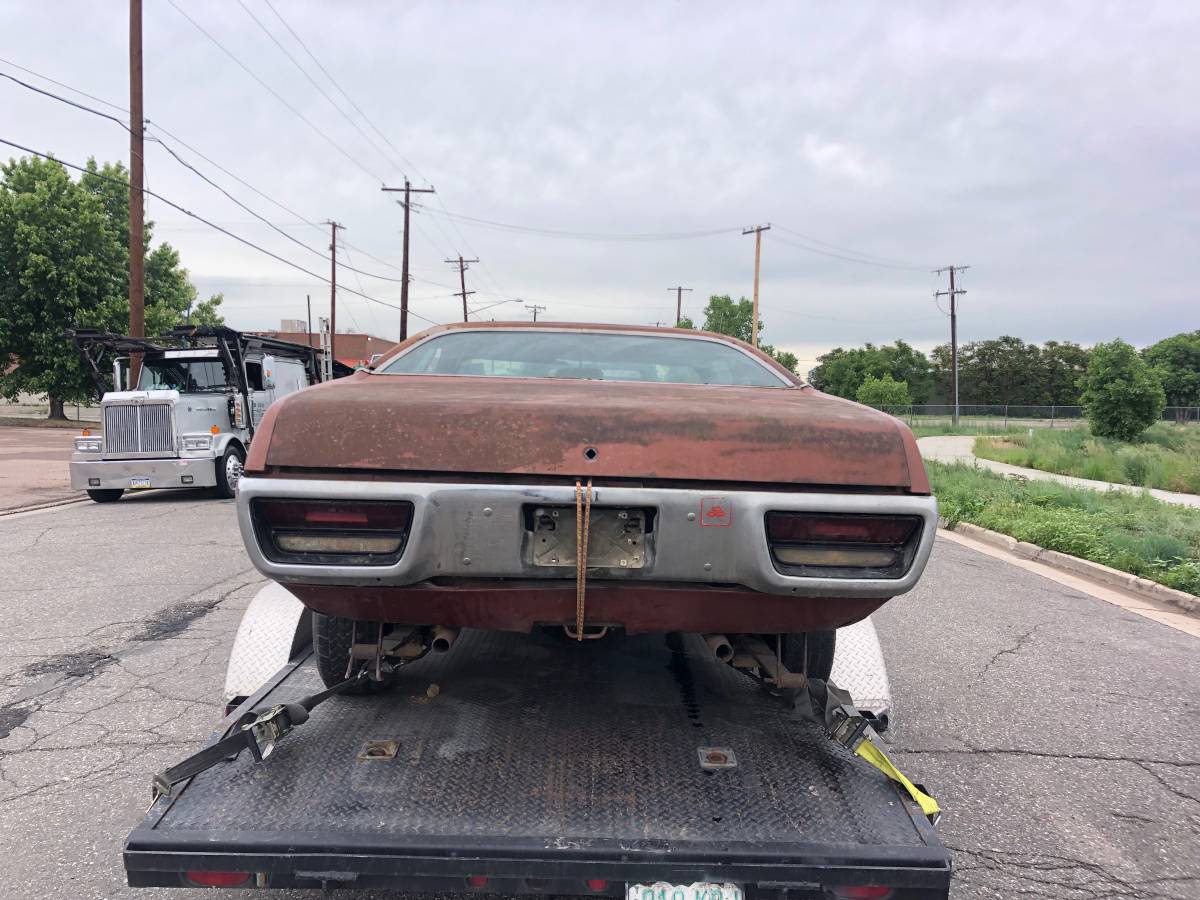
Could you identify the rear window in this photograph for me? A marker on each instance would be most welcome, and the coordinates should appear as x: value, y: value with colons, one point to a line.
x: 595, y: 355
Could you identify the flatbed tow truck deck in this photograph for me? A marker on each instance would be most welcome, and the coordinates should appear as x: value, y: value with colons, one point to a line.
x: 525, y: 764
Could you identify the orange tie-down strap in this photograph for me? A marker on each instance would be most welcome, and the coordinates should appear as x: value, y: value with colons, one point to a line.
x: 583, y: 516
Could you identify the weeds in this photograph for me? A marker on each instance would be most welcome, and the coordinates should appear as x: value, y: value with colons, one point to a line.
x: 1167, y: 456
x: 1131, y: 532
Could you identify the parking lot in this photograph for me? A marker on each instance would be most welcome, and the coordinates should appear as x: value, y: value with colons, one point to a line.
x: 1059, y: 731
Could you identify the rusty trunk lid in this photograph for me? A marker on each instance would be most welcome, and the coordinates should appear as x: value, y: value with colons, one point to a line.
x: 604, y: 429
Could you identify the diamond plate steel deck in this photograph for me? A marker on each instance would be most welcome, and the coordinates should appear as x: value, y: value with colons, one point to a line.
x: 535, y: 738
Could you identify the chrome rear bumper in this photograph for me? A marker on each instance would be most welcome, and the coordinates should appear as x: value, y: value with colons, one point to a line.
x: 477, y: 531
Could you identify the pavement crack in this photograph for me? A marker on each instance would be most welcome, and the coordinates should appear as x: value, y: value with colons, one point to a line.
x: 1016, y: 648
x: 1045, y: 754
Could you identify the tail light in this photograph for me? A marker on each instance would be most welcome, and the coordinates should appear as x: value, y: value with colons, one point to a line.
x: 839, y: 545
x: 217, y: 879
x: 332, y: 532
x: 860, y: 892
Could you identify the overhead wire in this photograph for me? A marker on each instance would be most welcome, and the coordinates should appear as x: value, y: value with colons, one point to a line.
x: 312, y: 81
x: 842, y: 256
x: 213, y: 225
x: 187, y: 165
x: 349, y: 156
x: 586, y: 235
x: 875, y: 256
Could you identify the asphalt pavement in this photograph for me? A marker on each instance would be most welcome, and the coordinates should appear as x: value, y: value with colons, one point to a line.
x: 1059, y: 732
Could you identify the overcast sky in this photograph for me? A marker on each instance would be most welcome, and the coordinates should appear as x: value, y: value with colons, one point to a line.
x: 1053, y: 147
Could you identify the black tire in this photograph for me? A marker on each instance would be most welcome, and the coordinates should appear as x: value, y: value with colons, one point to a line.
x: 229, y: 471
x: 821, y: 645
x: 105, y: 495
x: 331, y: 641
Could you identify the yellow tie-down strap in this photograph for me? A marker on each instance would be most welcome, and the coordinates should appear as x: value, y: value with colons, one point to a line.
x: 876, y: 757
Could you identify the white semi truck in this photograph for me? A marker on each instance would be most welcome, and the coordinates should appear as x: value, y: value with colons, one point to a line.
x: 188, y: 420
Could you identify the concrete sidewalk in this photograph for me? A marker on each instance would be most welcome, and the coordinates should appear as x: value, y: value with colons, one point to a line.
x: 961, y: 449
x: 33, y: 466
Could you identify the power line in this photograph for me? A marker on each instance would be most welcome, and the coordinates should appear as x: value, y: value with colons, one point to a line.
x: 354, y: 160
x: 865, y: 262
x: 335, y: 83
x: 65, y: 86
x: 183, y: 162
x: 312, y: 81
x: 199, y: 218
x: 875, y: 256
x: 586, y: 235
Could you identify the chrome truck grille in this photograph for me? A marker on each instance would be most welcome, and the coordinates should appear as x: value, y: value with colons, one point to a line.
x: 138, y: 428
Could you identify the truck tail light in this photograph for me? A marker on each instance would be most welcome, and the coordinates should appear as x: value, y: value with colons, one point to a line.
x: 842, y: 545
x: 332, y: 532
x: 217, y: 879
x: 860, y: 892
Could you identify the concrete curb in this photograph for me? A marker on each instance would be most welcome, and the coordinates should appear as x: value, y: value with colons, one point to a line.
x: 1106, y: 575
x: 34, y: 507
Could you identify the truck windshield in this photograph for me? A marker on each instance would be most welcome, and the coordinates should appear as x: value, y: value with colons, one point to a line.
x: 188, y: 376
x: 598, y: 355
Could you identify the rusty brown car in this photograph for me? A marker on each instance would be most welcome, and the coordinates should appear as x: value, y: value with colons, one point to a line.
x: 583, y: 478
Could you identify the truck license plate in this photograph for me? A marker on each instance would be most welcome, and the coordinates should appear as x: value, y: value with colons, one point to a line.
x: 139, y: 482
x: 701, y: 890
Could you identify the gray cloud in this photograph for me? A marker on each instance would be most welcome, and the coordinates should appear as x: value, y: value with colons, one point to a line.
x: 1052, y: 147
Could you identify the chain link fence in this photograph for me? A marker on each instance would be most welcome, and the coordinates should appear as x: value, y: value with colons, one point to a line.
x: 1000, y: 417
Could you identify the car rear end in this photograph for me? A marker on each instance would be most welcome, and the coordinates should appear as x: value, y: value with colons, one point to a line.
x: 453, y: 485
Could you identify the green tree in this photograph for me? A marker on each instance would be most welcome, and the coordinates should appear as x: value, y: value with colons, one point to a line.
x: 64, y: 253
x: 1063, y: 364
x: 723, y: 315
x: 1177, y: 360
x: 60, y: 264
x: 842, y: 372
x: 882, y: 393
x: 1122, y: 394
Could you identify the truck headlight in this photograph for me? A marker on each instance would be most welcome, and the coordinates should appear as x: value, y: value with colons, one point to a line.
x: 199, y: 442
x: 88, y: 445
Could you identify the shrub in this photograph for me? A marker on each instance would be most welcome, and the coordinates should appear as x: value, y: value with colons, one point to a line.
x: 1121, y: 394
x: 882, y: 393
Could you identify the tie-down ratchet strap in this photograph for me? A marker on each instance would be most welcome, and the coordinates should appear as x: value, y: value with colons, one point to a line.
x: 834, y: 708
x: 257, y: 731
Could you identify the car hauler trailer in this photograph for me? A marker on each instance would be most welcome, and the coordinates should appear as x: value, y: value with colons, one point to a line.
x: 636, y: 767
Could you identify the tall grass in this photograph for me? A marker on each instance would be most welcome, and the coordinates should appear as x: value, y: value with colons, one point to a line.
x: 1167, y: 456
x: 1131, y: 532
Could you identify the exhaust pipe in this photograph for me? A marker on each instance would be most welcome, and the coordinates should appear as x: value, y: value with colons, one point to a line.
x: 720, y: 646
x: 444, y: 638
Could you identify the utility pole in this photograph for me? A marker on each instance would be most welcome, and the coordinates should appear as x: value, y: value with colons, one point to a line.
x: 678, y: 302
x: 462, y: 279
x: 757, y: 231
x: 953, y: 295
x: 308, y: 338
x: 534, y: 308
x: 408, y: 189
x: 333, y: 230
x: 137, y: 200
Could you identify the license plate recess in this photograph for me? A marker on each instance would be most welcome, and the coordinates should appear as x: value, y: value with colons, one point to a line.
x: 617, y: 537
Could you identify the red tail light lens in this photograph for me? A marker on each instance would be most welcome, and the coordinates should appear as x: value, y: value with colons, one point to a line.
x: 217, y: 879
x: 325, y: 532
x: 842, y: 545
x: 860, y: 892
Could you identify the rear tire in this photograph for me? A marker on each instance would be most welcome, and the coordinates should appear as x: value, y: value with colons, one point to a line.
x: 229, y: 471
x: 821, y: 645
x: 105, y: 495
x: 331, y: 642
